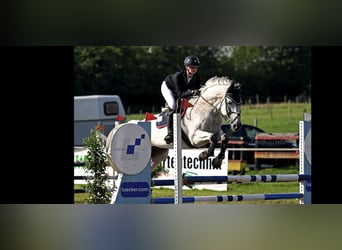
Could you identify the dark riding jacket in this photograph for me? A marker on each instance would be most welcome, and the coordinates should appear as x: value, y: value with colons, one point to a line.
x: 180, y: 87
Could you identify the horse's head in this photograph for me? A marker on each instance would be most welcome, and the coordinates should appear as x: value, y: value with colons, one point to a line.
x: 230, y: 108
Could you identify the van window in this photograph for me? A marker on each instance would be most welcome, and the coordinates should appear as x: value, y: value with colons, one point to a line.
x: 111, y: 108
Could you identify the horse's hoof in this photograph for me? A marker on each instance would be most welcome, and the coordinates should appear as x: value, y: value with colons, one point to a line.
x: 202, y: 156
x: 168, y: 139
x: 217, y: 163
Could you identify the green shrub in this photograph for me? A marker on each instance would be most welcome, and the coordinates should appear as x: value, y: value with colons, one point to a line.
x: 95, y: 165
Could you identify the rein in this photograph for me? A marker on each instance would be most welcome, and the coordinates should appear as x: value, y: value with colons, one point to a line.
x: 225, y: 99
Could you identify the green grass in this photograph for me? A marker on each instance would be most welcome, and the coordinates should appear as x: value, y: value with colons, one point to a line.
x: 80, y: 197
x: 276, y: 117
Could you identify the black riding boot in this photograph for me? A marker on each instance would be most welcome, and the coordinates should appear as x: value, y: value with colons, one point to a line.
x: 169, y: 137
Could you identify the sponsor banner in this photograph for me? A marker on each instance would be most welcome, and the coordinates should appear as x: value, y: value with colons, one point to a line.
x: 192, y: 166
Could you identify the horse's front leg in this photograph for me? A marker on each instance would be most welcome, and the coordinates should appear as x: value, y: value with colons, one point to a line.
x: 210, y: 152
x: 201, y: 137
x: 218, y: 160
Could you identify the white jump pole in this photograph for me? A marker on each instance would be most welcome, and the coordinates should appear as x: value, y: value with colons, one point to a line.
x: 177, y: 147
x: 305, y: 158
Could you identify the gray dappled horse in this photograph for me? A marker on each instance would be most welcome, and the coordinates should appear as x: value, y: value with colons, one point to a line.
x: 201, y: 124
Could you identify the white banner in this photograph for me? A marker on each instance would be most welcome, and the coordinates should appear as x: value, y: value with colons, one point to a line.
x: 192, y: 166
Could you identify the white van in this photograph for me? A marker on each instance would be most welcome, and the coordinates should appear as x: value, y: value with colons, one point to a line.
x: 93, y: 110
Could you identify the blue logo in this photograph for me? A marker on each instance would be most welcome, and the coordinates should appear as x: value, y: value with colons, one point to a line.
x: 130, y: 148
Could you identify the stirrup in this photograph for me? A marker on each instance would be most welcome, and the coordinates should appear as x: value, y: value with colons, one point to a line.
x: 168, y: 139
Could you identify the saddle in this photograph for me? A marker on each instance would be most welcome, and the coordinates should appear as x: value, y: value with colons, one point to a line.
x: 182, y: 105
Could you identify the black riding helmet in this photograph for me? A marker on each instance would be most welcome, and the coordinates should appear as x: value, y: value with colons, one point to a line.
x: 192, y: 61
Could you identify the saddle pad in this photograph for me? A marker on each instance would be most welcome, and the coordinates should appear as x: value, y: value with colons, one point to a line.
x: 162, y: 118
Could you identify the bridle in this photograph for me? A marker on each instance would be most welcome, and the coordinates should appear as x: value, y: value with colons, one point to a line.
x: 230, y: 97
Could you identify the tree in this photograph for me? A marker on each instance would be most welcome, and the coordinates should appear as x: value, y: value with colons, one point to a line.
x: 136, y: 72
x: 95, y: 164
x: 273, y: 71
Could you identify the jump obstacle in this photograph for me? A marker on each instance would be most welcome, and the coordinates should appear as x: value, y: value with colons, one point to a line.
x: 129, y: 156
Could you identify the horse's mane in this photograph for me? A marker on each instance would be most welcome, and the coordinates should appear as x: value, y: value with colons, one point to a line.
x: 216, y: 80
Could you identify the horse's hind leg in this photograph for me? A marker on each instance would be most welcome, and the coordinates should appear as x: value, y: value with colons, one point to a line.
x: 157, y: 156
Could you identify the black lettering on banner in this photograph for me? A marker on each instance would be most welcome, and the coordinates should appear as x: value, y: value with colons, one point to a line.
x: 188, y: 163
x: 196, y: 163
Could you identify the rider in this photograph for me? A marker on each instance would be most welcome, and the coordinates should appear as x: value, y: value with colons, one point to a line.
x: 182, y: 84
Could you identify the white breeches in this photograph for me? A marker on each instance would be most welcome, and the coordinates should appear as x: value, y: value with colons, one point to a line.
x: 168, y: 96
